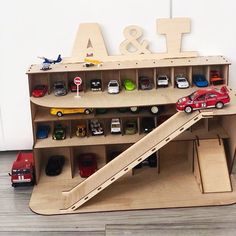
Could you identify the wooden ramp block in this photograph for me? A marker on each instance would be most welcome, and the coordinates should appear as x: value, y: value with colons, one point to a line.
x: 213, y: 166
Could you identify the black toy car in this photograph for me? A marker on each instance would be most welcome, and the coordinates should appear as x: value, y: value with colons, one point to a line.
x: 151, y: 161
x: 55, y: 165
x: 148, y: 124
x: 96, y: 85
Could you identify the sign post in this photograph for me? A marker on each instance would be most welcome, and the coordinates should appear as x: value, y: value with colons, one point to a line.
x: 78, y: 82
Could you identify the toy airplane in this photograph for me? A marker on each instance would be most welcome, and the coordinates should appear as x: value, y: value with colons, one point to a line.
x: 51, y: 61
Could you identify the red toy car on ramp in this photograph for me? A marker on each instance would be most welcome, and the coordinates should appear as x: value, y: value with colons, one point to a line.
x: 22, y: 171
x: 204, y: 98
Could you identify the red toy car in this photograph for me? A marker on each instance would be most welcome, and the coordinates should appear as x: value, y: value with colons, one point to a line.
x: 22, y: 171
x: 215, y: 78
x: 87, y: 164
x: 73, y: 87
x: 204, y: 98
x: 39, y: 90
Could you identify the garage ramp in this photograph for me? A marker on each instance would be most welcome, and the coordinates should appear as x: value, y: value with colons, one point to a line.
x: 160, y: 136
x: 213, y: 167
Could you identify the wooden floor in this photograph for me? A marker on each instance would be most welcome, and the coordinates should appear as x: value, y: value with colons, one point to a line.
x: 17, y: 219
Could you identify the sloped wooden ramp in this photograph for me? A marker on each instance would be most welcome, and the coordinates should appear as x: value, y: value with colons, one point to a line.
x: 81, y: 193
x: 213, y: 168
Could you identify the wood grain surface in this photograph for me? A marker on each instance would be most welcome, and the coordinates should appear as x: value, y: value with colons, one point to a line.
x: 17, y: 219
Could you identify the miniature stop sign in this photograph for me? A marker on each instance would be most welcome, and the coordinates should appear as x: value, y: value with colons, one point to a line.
x: 78, y: 82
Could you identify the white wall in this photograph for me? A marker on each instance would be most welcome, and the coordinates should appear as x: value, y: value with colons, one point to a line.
x: 213, y: 28
x: 45, y: 28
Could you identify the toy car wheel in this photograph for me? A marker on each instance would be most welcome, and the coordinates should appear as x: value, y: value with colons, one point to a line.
x: 59, y: 114
x: 134, y: 109
x: 219, y: 105
x: 188, y: 109
x: 87, y: 111
x: 154, y: 109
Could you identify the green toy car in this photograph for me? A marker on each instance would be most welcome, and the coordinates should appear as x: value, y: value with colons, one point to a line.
x: 130, y: 127
x: 129, y: 85
x: 59, y: 132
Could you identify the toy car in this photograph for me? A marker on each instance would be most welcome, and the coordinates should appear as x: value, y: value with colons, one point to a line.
x: 151, y: 161
x: 39, y: 90
x: 101, y: 110
x: 113, y: 87
x: 91, y: 62
x: 63, y: 111
x: 204, y: 98
x: 148, y: 124
x: 81, y: 130
x: 130, y: 127
x: 145, y: 83
x: 162, y: 81
x: 87, y: 164
x: 181, y: 81
x: 55, y: 165
x: 73, y: 87
x: 22, y: 171
x: 113, y: 155
x: 129, y: 85
x: 115, y: 126
x: 42, y: 131
x: 59, y: 88
x: 59, y: 132
x: 215, y: 78
x: 200, y: 80
x: 96, y: 127
x: 96, y: 85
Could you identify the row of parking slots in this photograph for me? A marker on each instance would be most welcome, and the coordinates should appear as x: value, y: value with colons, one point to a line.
x: 63, y: 129
x: 87, y: 160
x: 132, y: 79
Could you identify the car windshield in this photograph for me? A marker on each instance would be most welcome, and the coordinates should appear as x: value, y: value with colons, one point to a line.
x: 87, y: 162
x: 201, y: 79
x: 162, y: 78
x: 59, y: 132
x: 113, y: 84
x: 130, y: 125
x: 19, y: 171
x: 115, y: 125
x: 192, y: 96
x: 40, y: 87
x: 182, y: 80
x: 59, y: 86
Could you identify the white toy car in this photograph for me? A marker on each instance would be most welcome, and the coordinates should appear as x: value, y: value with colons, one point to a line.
x: 162, y: 81
x: 115, y: 126
x: 113, y: 86
x: 181, y: 81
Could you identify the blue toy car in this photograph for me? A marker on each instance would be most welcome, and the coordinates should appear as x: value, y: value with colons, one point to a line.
x: 200, y: 80
x: 42, y: 131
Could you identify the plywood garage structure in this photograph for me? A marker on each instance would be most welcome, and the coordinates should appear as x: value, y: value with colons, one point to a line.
x: 210, y: 127
x: 169, y: 126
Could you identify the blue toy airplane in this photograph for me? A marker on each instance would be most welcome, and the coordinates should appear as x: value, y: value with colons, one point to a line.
x: 51, y: 61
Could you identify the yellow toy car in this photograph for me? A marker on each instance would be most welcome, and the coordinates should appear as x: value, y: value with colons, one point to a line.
x: 63, y: 111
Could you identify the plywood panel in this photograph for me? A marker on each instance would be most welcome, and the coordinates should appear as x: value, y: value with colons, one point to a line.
x: 213, y: 166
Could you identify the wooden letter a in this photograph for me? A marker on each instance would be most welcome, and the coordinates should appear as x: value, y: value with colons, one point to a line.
x: 89, y: 42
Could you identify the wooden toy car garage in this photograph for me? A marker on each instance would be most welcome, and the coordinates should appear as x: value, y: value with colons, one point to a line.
x: 194, y: 152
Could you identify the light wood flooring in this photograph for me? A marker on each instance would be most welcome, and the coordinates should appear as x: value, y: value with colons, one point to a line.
x: 17, y: 219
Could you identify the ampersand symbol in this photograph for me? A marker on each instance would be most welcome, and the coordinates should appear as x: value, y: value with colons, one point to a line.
x: 131, y: 45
